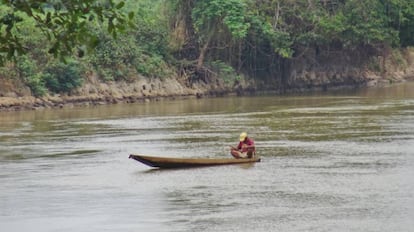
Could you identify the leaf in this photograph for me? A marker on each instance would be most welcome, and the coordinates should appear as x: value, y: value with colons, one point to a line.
x: 120, y: 5
x: 130, y: 15
x: 48, y: 18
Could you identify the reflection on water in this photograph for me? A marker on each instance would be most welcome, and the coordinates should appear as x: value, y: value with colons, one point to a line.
x: 339, y: 161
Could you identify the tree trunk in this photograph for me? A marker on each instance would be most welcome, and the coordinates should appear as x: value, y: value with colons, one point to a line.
x: 203, y: 51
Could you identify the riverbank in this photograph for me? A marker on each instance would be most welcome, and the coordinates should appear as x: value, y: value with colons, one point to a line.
x: 337, y: 73
x: 147, y: 91
x: 96, y: 92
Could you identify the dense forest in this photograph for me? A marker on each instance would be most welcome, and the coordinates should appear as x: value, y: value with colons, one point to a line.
x: 198, y: 39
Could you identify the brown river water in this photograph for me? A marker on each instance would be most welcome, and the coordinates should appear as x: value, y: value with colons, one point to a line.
x: 338, y: 161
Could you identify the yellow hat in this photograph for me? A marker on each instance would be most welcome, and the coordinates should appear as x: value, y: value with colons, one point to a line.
x: 243, y: 136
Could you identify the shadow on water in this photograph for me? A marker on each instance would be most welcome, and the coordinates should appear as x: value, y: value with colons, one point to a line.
x: 166, y: 170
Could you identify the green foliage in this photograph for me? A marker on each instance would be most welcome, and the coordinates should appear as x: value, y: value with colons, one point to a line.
x: 401, y: 18
x: 37, y: 85
x: 65, y: 24
x: 114, y: 59
x: 151, y: 36
x: 151, y: 31
x: 142, y: 50
x: 153, y: 66
x: 32, y: 39
x: 366, y: 23
x: 227, y: 37
x: 113, y: 56
x: 212, y: 16
x: 398, y: 58
x: 280, y: 40
x: 63, y: 77
x: 31, y: 77
x: 224, y: 71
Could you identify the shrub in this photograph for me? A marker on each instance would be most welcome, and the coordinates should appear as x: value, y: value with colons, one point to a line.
x: 113, y: 57
x: 152, y: 66
x: 26, y: 69
x: 63, y: 77
x: 37, y: 85
x: 224, y: 71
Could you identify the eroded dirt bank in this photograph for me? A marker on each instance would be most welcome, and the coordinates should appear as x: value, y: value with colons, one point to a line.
x: 303, y: 75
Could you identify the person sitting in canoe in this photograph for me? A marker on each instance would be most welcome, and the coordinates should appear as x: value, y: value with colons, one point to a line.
x: 245, y: 149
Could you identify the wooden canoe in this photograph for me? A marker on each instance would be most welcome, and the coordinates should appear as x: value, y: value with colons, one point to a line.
x: 166, y: 162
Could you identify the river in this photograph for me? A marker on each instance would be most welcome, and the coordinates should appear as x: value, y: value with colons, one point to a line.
x: 336, y: 161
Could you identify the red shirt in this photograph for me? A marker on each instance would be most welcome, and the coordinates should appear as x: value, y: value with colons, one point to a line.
x: 248, y: 141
